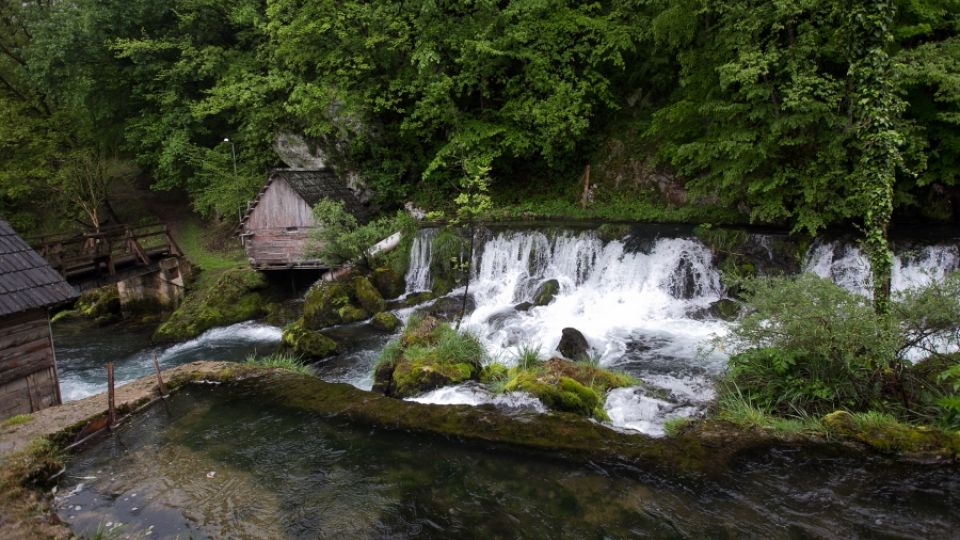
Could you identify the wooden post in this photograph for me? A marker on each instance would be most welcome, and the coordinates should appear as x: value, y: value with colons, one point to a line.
x: 586, y: 186
x: 111, y: 408
x: 156, y: 365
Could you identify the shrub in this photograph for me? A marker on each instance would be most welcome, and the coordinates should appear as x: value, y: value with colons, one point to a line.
x: 809, y: 346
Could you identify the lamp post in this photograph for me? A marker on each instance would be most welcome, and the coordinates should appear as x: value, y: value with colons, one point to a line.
x: 236, y: 182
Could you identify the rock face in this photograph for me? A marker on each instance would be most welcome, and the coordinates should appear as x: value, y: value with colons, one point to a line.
x: 236, y: 296
x: 546, y: 292
x: 573, y: 345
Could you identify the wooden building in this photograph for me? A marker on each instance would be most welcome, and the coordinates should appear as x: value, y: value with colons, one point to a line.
x: 28, y: 287
x: 278, y: 230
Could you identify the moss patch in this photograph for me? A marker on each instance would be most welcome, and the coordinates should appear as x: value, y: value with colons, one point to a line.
x: 24, y: 504
x: 236, y: 296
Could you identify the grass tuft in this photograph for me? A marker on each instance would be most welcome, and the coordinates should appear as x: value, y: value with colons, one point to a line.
x: 281, y: 361
x: 17, y: 420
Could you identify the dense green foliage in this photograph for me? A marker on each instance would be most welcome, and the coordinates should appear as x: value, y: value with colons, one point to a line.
x: 342, y: 239
x: 803, y: 113
x: 808, y: 346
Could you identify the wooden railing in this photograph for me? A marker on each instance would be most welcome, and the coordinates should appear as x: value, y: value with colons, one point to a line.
x: 103, y: 251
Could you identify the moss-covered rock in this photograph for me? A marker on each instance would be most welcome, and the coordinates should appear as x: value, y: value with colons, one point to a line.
x: 322, y: 304
x: 563, y: 394
x: 391, y: 284
x: 235, y: 296
x: 428, y: 355
x: 563, y: 385
x: 367, y: 295
x: 102, y: 305
x: 386, y: 321
x: 308, y: 343
x: 412, y: 377
x: 349, y: 314
x: 546, y: 292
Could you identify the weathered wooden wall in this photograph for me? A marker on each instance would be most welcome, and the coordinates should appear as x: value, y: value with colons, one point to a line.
x: 280, y: 229
x: 28, y: 372
x: 279, y: 247
x: 280, y: 206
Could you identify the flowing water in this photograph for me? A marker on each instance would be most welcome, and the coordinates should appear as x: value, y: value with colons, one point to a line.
x: 913, y: 266
x: 82, y: 352
x: 215, y: 462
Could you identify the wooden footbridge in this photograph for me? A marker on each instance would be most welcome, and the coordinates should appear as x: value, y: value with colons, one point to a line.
x: 108, y: 256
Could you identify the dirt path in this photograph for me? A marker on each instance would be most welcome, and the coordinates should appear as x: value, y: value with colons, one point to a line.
x: 56, y: 419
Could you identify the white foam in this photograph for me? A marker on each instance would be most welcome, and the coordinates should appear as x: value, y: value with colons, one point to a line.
x: 473, y: 394
x: 846, y: 265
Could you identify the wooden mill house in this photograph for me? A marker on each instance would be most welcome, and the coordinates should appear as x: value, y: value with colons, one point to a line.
x: 28, y: 288
x: 278, y: 231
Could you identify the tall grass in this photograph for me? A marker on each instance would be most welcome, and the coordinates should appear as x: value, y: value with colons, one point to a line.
x: 528, y: 357
x: 281, y: 361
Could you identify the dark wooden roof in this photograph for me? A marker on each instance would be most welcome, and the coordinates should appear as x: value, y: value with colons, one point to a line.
x: 313, y: 185
x: 26, y: 280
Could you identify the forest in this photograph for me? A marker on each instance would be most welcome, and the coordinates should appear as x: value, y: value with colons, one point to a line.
x: 800, y: 113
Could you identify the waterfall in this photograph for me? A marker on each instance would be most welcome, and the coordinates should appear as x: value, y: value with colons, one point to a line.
x: 421, y: 255
x: 633, y: 306
x: 846, y: 264
x: 639, y: 303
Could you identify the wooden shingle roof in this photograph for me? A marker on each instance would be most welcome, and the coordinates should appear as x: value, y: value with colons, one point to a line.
x: 313, y: 185
x: 26, y: 280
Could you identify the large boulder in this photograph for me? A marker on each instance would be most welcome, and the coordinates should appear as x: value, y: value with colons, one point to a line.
x: 448, y: 308
x: 573, y: 345
x: 386, y: 321
x: 546, y: 292
x: 329, y: 303
x: 236, y: 296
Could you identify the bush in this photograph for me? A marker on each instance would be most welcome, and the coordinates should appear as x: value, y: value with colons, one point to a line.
x: 809, y: 346
x: 342, y: 239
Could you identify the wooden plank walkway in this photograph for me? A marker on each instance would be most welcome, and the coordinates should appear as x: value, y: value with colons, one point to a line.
x: 108, y: 255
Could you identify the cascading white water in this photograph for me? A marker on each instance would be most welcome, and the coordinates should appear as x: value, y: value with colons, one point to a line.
x: 633, y: 307
x: 421, y: 255
x: 846, y: 264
